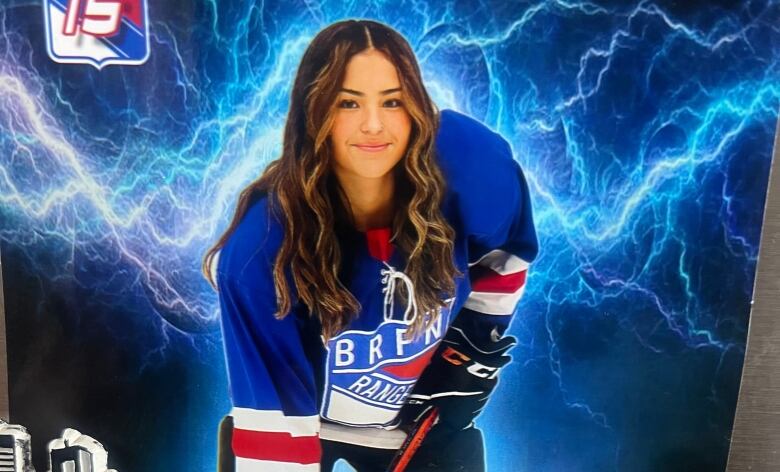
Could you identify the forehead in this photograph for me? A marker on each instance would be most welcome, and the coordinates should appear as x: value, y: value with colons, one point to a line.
x: 370, y: 71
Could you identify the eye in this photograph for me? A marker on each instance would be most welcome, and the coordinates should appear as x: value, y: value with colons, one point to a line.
x: 347, y: 104
x: 393, y: 103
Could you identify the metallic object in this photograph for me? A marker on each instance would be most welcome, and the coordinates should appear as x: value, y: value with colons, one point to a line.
x: 76, y: 452
x: 755, y: 439
x: 4, y: 410
x: 15, y: 455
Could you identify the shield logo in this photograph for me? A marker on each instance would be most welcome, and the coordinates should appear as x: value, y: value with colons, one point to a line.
x: 97, y: 32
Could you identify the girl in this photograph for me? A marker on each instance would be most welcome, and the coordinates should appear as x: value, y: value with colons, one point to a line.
x: 351, y: 258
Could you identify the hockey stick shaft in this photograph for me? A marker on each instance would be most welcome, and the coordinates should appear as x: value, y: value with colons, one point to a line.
x: 413, y: 441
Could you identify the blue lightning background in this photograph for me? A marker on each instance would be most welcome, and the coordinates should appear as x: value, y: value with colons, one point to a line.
x: 645, y: 130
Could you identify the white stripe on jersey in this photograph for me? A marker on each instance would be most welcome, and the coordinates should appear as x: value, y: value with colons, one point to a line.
x: 501, y: 262
x: 494, y: 303
x: 274, y: 421
x: 254, y: 465
x: 370, y: 437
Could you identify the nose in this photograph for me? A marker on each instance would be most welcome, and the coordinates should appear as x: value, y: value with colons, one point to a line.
x: 372, y: 121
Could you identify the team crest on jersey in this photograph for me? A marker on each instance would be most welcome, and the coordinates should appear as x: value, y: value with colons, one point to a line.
x: 97, y: 32
x: 371, y: 373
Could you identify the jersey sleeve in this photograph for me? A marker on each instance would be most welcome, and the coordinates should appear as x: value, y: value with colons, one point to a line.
x: 494, y: 210
x: 272, y: 386
x: 499, y: 261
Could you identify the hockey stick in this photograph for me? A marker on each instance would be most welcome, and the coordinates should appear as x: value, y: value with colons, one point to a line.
x: 413, y: 441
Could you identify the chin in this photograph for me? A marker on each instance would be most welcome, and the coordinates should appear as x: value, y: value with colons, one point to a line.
x: 373, y: 168
x: 373, y: 173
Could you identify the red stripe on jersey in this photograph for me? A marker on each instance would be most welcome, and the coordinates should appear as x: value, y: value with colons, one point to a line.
x: 279, y: 447
x: 485, y: 279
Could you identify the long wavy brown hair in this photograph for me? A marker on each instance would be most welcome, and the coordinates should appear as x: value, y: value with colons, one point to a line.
x: 312, y: 206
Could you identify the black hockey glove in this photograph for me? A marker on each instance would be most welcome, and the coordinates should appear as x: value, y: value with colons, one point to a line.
x: 459, y: 380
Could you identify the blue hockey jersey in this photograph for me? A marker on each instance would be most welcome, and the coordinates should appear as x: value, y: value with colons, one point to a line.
x: 289, y: 389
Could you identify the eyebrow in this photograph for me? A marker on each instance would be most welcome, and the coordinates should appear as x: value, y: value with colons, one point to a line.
x: 361, y: 94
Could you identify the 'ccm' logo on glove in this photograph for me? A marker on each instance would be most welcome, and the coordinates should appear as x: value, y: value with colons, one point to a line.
x: 458, y: 358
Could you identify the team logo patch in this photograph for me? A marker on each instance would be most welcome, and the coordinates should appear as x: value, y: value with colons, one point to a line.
x: 371, y: 373
x: 97, y: 32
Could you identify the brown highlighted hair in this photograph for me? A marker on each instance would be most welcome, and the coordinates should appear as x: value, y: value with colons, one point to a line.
x: 312, y: 206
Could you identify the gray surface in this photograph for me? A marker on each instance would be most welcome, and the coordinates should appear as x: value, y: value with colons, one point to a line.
x: 755, y: 444
x: 3, y: 354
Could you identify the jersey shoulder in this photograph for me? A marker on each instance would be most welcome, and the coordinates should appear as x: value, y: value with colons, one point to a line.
x: 466, y: 146
x: 485, y: 188
x: 252, y: 247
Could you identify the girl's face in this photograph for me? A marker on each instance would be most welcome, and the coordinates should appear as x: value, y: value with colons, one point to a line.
x: 371, y: 126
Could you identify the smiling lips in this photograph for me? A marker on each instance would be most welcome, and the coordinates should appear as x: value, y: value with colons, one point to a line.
x: 372, y: 147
